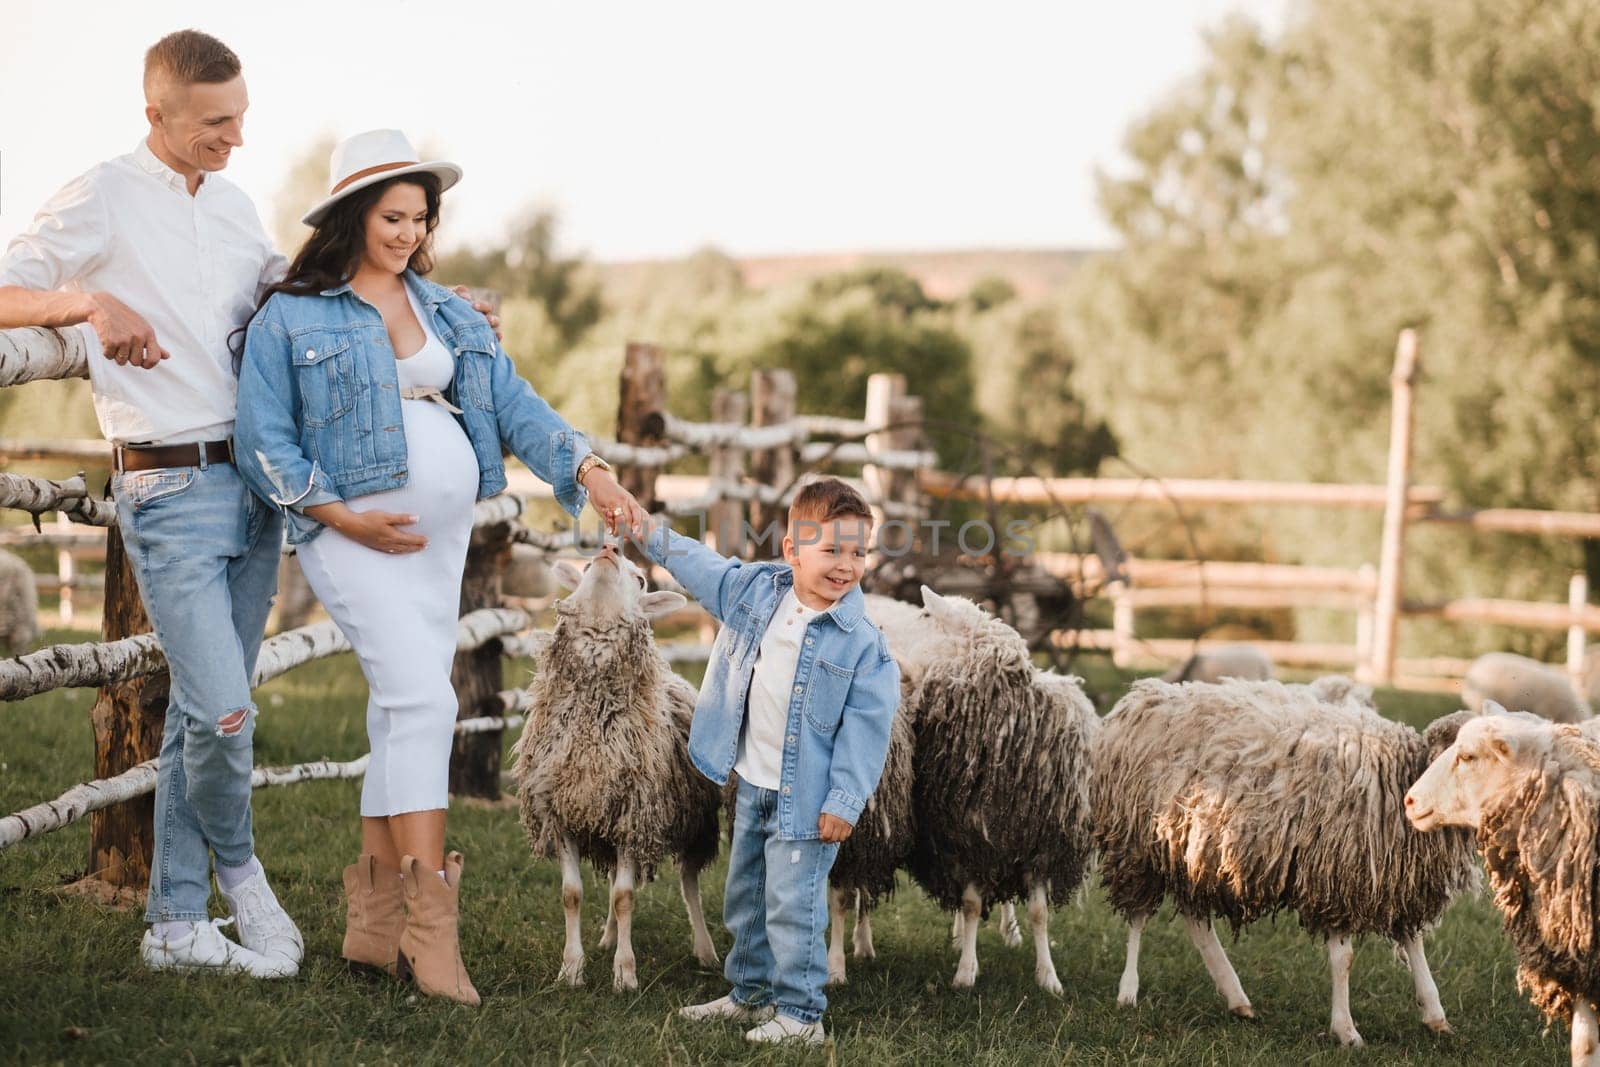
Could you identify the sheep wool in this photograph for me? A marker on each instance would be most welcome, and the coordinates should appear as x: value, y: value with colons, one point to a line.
x: 19, y: 605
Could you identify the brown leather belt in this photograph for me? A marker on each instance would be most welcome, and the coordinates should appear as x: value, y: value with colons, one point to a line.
x: 135, y: 458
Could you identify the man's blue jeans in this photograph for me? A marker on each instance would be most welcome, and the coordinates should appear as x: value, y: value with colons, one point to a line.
x: 205, y: 553
x: 776, y: 907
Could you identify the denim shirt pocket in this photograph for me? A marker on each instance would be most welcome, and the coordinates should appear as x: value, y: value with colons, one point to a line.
x: 825, y: 695
x: 739, y: 627
x: 324, y: 370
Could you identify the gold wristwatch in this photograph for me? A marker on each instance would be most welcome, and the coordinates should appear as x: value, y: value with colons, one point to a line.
x: 590, y: 462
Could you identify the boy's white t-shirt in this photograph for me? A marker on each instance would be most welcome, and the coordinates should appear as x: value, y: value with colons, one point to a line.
x: 760, y: 759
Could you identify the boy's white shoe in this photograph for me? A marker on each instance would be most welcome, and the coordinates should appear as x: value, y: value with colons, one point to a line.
x: 726, y: 1008
x: 206, y: 949
x: 264, y: 927
x: 782, y: 1028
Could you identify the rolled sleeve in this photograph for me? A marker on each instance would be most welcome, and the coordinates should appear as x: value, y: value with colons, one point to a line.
x: 67, y: 239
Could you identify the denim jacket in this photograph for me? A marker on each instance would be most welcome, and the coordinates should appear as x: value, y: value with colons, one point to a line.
x: 842, y: 702
x: 319, y: 404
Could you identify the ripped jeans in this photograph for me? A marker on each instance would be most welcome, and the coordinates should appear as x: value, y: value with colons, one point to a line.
x: 205, y: 553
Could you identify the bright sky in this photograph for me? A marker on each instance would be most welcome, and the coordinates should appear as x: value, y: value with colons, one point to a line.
x: 652, y: 128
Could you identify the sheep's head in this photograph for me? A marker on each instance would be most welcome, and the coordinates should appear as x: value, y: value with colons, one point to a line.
x: 611, y: 590
x: 968, y: 625
x: 1337, y: 688
x: 1490, y: 754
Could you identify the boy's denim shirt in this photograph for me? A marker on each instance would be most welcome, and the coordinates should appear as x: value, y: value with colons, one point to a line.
x: 841, y: 704
x: 319, y: 404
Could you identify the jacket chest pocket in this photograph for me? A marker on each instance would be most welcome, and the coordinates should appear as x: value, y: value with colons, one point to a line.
x: 739, y: 631
x: 324, y: 368
x: 826, y: 691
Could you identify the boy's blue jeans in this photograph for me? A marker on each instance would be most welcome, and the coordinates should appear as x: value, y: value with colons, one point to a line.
x: 205, y: 552
x: 776, y: 907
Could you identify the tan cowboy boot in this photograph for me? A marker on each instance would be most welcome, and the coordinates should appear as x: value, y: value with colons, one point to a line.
x: 430, y: 947
x: 375, y: 915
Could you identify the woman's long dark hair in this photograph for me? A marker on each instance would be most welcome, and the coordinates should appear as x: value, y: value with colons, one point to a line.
x: 332, y: 253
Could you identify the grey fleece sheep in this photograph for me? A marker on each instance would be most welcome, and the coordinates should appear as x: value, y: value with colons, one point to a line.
x: 1243, y: 799
x: 1001, y: 779
x: 603, y: 767
x: 1226, y: 661
x: 1522, y: 684
x: 1531, y: 789
x: 19, y: 606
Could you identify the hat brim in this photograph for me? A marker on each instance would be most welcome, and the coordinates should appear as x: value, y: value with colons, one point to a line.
x: 447, y: 173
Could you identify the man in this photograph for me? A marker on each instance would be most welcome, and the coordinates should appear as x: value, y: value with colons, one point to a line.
x: 161, y: 259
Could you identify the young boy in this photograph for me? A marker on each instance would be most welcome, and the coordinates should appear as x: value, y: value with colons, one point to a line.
x: 798, y: 698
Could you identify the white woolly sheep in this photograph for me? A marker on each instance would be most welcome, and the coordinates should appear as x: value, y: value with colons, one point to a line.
x: 603, y: 765
x: 1242, y: 799
x: 1246, y: 662
x: 1522, y: 684
x: 19, y: 606
x: 1337, y: 688
x: 1531, y: 790
x: 1001, y: 780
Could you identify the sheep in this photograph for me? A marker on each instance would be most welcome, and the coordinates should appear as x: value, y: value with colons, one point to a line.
x: 603, y: 766
x: 19, y: 605
x: 1337, y: 688
x: 1225, y: 661
x: 1241, y: 799
x: 1522, y: 684
x: 1001, y: 780
x: 1531, y: 790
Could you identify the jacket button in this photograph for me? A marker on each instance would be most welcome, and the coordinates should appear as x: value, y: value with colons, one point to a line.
x: 798, y: 688
x: 785, y: 790
x: 811, y: 640
x: 791, y: 739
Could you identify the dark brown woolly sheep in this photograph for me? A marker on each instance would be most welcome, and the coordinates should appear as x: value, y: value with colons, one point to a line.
x: 1243, y: 799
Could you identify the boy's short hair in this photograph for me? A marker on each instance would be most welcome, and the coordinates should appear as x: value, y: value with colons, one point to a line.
x: 827, y: 499
x: 187, y: 57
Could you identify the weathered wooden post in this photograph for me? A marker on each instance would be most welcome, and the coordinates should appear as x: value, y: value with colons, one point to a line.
x: 1577, y: 638
x: 642, y: 420
x: 1367, y: 579
x: 889, y: 406
x: 772, y: 403
x: 66, y: 571
x: 725, y: 520
x: 477, y: 673
x: 127, y: 717
x: 1392, y: 550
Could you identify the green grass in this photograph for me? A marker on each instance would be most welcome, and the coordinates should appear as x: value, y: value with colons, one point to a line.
x: 71, y: 988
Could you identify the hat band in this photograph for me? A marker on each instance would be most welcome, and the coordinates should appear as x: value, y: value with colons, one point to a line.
x: 358, y: 175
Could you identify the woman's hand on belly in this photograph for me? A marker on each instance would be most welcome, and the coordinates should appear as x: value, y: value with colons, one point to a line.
x: 378, y: 530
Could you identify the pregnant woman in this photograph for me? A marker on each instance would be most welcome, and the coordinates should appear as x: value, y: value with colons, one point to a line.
x: 373, y: 407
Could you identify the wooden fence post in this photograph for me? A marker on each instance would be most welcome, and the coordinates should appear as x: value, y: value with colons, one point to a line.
x: 66, y: 569
x: 127, y: 717
x: 772, y: 401
x: 1577, y: 599
x: 889, y: 405
x: 477, y: 673
x: 641, y: 421
x: 725, y: 520
x: 1368, y: 578
x: 1392, y: 551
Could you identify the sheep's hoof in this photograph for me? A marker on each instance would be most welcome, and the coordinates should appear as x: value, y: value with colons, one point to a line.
x: 864, y: 952
x: 1011, y: 934
x: 1048, y: 982
x: 1243, y: 1011
x: 707, y: 956
x: 1439, y: 1026
x: 1127, y: 1000
x: 572, y: 972
x: 624, y: 976
x: 964, y: 978
x: 1350, y: 1038
x: 836, y: 977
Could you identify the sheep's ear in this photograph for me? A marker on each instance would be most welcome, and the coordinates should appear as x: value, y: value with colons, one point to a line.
x: 568, y: 576
x: 661, y: 602
x: 1493, y: 707
x: 931, y: 600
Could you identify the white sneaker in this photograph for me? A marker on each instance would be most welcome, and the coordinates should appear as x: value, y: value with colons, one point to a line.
x: 264, y: 927
x: 206, y: 949
x: 783, y: 1028
x: 726, y: 1008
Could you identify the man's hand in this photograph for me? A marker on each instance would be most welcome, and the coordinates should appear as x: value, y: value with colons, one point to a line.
x: 833, y: 829
x: 124, y: 334
x: 482, y: 308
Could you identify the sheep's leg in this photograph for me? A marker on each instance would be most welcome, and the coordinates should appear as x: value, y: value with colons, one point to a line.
x: 955, y: 929
x: 1128, y: 988
x: 1340, y: 957
x: 836, y: 968
x: 704, y: 951
x: 861, y: 941
x: 970, y: 917
x: 1010, y: 929
x: 1044, y: 968
x: 624, y: 972
x: 1585, y: 1035
x: 1427, y: 993
x: 1204, y: 936
x: 571, y: 898
x: 608, y: 937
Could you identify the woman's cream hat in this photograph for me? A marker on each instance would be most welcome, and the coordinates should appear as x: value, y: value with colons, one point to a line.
x: 377, y: 155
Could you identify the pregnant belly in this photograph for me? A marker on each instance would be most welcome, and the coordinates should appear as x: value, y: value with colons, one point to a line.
x: 442, y: 472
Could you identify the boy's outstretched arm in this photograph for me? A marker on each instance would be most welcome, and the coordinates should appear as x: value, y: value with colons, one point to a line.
x: 862, y: 743
x: 711, y: 578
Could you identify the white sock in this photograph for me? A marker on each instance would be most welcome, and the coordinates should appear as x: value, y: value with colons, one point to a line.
x: 228, y: 877
x: 176, y: 930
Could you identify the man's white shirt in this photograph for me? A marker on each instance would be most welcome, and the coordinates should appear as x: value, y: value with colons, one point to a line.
x: 760, y: 758
x: 193, y: 266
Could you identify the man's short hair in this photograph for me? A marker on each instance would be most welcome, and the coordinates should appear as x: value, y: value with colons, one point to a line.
x: 187, y: 57
x: 827, y: 499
